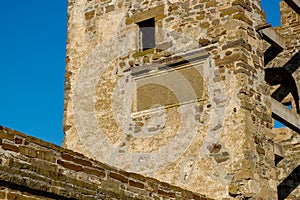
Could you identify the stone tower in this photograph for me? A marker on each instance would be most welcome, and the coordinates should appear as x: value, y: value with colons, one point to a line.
x: 174, y: 90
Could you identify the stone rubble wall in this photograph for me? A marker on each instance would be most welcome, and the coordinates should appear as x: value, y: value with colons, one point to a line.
x: 230, y: 156
x: 231, y: 153
x: 31, y: 169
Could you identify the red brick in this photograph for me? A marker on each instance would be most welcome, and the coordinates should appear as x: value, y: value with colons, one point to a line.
x: 83, y: 162
x: 70, y: 165
x: 72, y: 153
x: 167, y: 194
x: 76, y: 160
x: 99, y: 173
x: 10, y: 147
x: 118, y: 177
x: 136, y: 176
x: 124, y: 173
x: 136, y: 184
x: 18, y: 140
x: 67, y: 157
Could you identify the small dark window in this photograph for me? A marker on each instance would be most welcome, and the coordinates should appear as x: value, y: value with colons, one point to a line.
x: 147, y: 31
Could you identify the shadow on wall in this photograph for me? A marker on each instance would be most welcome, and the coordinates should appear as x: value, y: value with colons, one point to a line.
x: 288, y: 185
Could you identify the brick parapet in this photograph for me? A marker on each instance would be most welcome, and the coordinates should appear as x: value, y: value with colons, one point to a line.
x: 33, y: 169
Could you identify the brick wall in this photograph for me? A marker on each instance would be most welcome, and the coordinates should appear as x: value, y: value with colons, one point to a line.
x: 33, y: 169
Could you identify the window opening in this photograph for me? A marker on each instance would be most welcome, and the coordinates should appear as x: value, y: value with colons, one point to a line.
x: 147, y: 31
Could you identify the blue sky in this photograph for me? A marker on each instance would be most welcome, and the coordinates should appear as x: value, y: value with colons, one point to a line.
x: 32, y: 54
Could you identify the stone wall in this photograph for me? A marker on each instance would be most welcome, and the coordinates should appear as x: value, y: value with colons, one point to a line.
x: 221, y: 138
x: 192, y: 113
x: 33, y: 169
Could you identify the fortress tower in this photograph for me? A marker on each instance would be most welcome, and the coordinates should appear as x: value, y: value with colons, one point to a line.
x: 175, y: 90
x: 169, y: 99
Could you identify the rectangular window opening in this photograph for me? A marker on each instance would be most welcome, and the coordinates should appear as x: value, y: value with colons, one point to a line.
x: 147, y: 31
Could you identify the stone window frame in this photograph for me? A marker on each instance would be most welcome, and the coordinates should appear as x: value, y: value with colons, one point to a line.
x: 156, y: 13
x: 147, y: 34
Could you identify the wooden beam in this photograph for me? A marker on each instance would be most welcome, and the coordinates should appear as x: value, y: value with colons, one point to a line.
x: 294, y: 63
x: 288, y: 117
x: 270, y: 54
x: 273, y: 38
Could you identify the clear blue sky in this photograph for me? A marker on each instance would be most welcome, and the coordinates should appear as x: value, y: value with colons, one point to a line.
x: 32, y: 54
